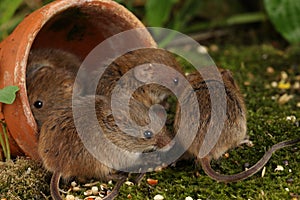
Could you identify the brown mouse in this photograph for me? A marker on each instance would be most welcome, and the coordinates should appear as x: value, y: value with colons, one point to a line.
x: 50, y: 95
x: 64, y: 153
x: 234, y: 131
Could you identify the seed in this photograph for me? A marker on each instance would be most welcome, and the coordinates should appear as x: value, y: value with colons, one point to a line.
x: 188, y: 198
x: 279, y: 168
x: 70, y: 197
x: 158, y: 197
x: 76, y: 189
x: 152, y: 182
x: 73, y: 184
x: 88, y: 193
x: 263, y: 172
x: 95, y: 190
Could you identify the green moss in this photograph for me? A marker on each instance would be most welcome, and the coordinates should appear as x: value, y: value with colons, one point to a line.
x: 267, y: 125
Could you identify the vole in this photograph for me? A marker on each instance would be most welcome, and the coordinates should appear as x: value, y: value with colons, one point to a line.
x: 233, y: 133
x: 50, y: 89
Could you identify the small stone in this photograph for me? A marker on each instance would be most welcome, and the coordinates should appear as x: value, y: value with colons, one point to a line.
x: 158, y: 197
x: 279, y: 168
x: 70, y: 197
x: 290, y: 180
x: 95, y: 190
x: 285, y: 162
x: 226, y: 155
x: 188, y: 198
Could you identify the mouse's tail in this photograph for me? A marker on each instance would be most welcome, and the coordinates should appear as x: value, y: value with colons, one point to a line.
x: 54, y: 186
x: 205, y: 163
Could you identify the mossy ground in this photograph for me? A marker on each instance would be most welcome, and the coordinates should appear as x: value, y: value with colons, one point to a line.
x: 267, y: 125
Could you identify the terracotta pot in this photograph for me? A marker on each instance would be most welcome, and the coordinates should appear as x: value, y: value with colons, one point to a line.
x: 76, y: 26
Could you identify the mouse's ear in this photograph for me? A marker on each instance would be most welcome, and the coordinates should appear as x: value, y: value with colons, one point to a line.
x: 144, y: 73
x: 34, y: 68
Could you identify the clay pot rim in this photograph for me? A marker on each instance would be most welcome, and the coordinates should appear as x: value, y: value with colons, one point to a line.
x: 29, y: 28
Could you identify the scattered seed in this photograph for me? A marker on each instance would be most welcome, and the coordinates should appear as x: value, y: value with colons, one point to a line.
x: 90, y: 198
x: 298, y: 105
x: 90, y: 184
x: 226, y: 155
x: 270, y: 70
x: 158, y: 197
x: 284, y: 85
x: 284, y: 98
x: 95, y: 190
x: 76, y: 189
x: 284, y: 75
x: 274, y: 84
x: 287, y: 189
x: 279, y: 168
x: 263, y: 172
x: 73, y: 184
x: 70, y: 197
x: 214, y: 48
x: 291, y: 118
x: 290, y: 170
x: 152, y: 182
x: 88, y: 193
x: 296, y: 85
x: 129, y: 196
x: 202, y: 49
x: 129, y: 183
x: 188, y: 198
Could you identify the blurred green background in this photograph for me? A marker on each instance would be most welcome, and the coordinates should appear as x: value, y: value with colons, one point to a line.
x: 267, y: 17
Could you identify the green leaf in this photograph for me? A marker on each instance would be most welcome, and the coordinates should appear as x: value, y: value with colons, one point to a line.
x: 8, y: 8
x: 8, y: 94
x: 285, y: 15
x: 158, y: 11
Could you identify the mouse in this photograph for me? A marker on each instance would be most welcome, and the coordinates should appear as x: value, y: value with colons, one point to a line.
x: 50, y: 88
x: 234, y: 131
x: 64, y: 153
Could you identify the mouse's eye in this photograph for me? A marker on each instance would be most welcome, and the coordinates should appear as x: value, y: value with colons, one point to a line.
x: 148, y: 134
x: 176, y: 80
x: 38, y: 104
